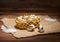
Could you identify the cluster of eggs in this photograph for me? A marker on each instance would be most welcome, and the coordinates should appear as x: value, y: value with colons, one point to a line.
x: 27, y: 22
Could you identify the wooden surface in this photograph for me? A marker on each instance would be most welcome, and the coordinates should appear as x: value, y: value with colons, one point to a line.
x: 4, y: 37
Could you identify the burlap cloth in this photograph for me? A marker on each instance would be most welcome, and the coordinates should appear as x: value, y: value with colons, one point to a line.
x: 48, y: 27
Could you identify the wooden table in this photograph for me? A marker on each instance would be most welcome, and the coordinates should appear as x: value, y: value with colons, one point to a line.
x: 4, y: 37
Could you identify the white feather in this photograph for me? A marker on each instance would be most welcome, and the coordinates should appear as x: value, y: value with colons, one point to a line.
x: 6, y: 30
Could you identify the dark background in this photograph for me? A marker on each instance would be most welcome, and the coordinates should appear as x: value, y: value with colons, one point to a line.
x: 30, y: 5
